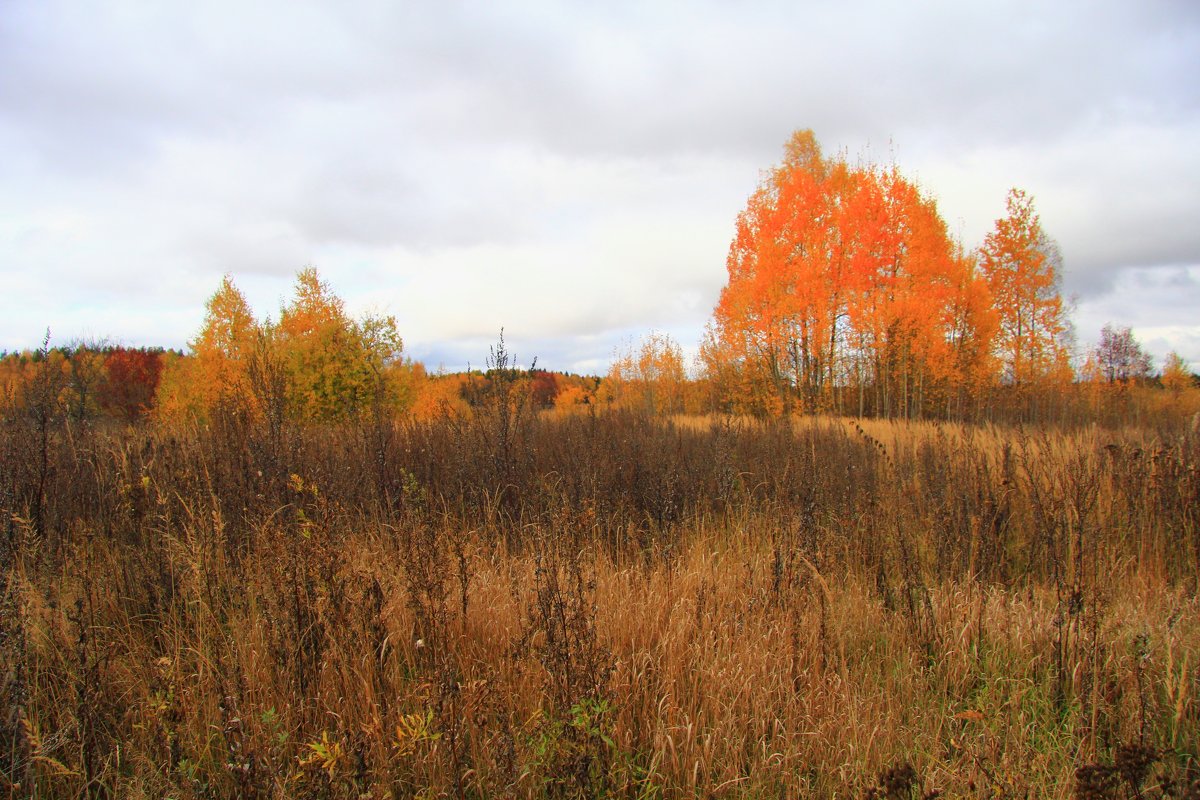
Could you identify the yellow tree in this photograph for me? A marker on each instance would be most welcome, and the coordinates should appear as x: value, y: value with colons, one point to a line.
x: 216, y: 371
x: 1176, y: 377
x: 84, y: 372
x: 336, y: 367
x: 651, y: 377
x: 1092, y: 384
x: 576, y: 393
x: 12, y: 381
x: 439, y: 397
x: 318, y: 348
x: 737, y: 381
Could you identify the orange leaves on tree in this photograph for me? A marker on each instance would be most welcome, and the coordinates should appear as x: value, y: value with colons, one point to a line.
x: 1021, y: 265
x: 844, y: 289
x: 1176, y: 377
x: 216, y: 373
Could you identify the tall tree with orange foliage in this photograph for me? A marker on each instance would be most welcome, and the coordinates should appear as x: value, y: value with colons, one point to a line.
x: 767, y: 318
x: 906, y: 282
x: 973, y: 323
x: 844, y: 290
x: 1023, y: 270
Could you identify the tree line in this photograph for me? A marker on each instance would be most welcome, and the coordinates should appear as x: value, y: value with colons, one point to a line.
x: 845, y: 295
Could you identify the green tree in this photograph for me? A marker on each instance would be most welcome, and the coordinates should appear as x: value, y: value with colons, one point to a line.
x: 85, y: 376
x: 336, y: 367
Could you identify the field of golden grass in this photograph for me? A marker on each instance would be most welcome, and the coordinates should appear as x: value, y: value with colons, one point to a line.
x: 601, y: 606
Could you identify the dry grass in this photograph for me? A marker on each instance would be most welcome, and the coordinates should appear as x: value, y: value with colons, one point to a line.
x: 605, y: 606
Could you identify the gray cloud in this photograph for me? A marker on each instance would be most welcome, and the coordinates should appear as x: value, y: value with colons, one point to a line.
x: 573, y: 171
x: 1158, y: 304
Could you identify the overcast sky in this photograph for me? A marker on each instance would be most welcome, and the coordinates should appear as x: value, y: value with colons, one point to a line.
x: 569, y: 172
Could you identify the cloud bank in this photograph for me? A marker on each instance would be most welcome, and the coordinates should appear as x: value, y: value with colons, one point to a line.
x: 569, y: 173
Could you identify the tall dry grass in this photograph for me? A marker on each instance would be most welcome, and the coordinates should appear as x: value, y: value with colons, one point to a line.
x: 599, y: 606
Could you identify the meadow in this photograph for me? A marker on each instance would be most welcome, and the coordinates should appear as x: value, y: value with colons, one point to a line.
x: 599, y: 604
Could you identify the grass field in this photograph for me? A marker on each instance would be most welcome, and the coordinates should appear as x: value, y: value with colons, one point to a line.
x: 600, y: 606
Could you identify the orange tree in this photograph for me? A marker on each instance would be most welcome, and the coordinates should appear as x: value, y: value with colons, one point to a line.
x: 845, y: 293
x: 215, y: 373
x: 1023, y: 270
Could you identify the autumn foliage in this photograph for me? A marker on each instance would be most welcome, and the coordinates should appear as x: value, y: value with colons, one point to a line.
x: 649, y: 377
x: 1021, y: 266
x: 847, y: 294
x: 316, y: 364
x: 84, y: 381
x: 290, y: 562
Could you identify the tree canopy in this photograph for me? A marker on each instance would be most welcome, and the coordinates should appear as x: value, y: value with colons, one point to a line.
x: 846, y: 292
